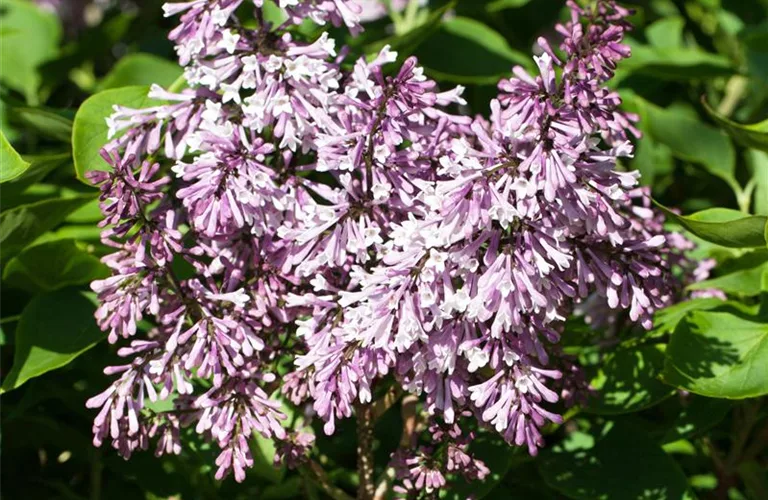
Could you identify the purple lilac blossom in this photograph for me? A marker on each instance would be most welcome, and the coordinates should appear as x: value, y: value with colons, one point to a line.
x: 343, y: 216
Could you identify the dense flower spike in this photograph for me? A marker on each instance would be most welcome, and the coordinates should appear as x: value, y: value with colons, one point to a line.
x: 295, y: 227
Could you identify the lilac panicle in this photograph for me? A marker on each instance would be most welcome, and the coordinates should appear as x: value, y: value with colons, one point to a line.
x: 292, y: 207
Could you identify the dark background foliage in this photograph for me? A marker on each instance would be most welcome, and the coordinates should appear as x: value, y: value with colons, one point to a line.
x: 678, y: 412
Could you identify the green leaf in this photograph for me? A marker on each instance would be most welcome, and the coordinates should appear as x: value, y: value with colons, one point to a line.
x: 405, y: 44
x: 263, y: 451
x: 666, y: 32
x: 499, y: 5
x: 719, y: 354
x: 464, y: 50
x: 47, y: 122
x: 746, y: 282
x: 53, y: 265
x: 22, y: 225
x: 758, y: 163
x: 617, y: 461
x: 11, y: 163
x: 697, y: 416
x: 17, y: 190
x: 751, y: 136
x: 691, y: 140
x: 628, y: 381
x: 53, y: 330
x: 29, y: 37
x: 89, y: 133
x: 673, y: 63
x: 652, y: 159
x: 141, y: 69
x: 723, y: 226
x: 666, y: 320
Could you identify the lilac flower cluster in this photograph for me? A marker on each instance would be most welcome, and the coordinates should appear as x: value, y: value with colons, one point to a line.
x: 292, y: 205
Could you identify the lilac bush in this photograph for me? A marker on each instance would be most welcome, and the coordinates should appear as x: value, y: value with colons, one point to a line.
x: 296, y: 228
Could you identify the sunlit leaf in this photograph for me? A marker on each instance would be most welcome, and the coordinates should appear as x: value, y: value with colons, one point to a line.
x: 11, y: 163
x: 141, y: 69
x: 726, y: 227
x: 719, y: 354
x: 90, y: 129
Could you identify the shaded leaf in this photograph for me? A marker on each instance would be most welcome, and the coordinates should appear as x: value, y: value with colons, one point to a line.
x: 53, y: 265
x: 40, y: 166
x: 22, y: 225
x: 698, y: 416
x: 407, y: 43
x: 751, y: 136
x: 53, y: 330
x: 628, y: 381
x: 617, y: 461
x: 464, y: 50
x: 499, y: 5
x: 47, y: 122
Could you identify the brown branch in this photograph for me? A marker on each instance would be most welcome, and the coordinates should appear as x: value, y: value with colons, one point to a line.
x: 314, y: 472
x: 365, y: 451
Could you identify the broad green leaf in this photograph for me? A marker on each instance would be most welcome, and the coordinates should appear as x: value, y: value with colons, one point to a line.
x: 719, y: 354
x: 758, y: 162
x: 617, y: 461
x: 141, y: 69
x: 408, y: 42
x: 11, y: 163
x: 29, y: 37
x: 673, y: 63
x: 89, y: 133
x: 666, y: 320
x: 746, y: 282
x: 723, y: 226
x: 263, y: 451
x: 53, y: 265
x: 22, y: 225
x: 465, y: 50
x: 751, y: 136
x: 652, y: 159
x: 692, y: 140
x: 499, y: 5
x: 90, y: 212
x: 697, y: 416
x: 53, y: 330
x: 47, y: 122
x: 628, y: 381
x: 666, y: 32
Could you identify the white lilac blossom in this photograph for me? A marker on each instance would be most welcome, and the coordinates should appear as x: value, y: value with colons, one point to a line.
x: 294, y: 208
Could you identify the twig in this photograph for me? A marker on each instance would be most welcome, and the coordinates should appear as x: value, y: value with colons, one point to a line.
x: 314, y: 471
x: 380, y: 406
x: 365, y: 451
